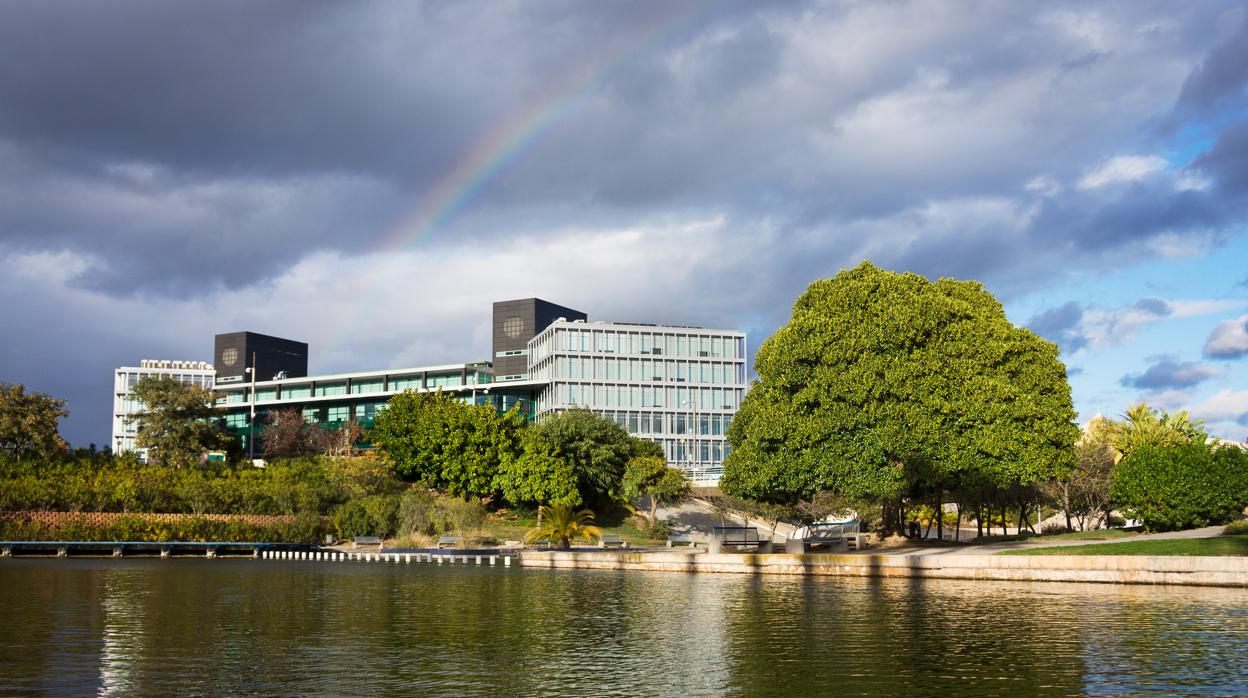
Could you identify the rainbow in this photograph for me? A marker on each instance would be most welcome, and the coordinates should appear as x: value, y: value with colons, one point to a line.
x: 512, y: 136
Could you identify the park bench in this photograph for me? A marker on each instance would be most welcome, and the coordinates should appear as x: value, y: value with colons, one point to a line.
x: 366, y: 540
x: 543, y: 543
x: 449, y: 541
x: 826, y: 535
x: 737, y: 537
x: 611, y: 540
x: 677, y: 539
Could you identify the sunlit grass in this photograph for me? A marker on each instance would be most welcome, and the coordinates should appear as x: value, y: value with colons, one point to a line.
x: 1219, y: 545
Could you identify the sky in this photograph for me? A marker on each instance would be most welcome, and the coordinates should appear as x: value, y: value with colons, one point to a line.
x: 368, y: 177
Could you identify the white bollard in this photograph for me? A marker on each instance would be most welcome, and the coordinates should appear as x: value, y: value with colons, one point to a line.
x: 492, y: 559
x: 409, y: 558
x: 439, y: 559
x: 506, y: 562
x: 478, y: 559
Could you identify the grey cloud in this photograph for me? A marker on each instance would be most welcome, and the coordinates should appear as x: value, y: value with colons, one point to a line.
x: 1060, y: 325
x: 1220, y: 79
x: 1227, y: 160
x: 786, y: 115
x: 1168, y: 372
x: 1229, y: 340
x: 1156, y: 306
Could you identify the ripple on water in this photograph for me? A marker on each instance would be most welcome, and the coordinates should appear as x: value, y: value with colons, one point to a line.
x: 127, y: 627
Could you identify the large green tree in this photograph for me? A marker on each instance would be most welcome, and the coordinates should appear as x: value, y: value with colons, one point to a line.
x: 886, y: 384
x: 28, y: 422
x: 536, y: 474
x: 443, y: 443
x: 597, y: 449
x: 178, y: 423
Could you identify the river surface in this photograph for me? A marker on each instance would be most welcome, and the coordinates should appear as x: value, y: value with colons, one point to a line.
x: 263, y: 627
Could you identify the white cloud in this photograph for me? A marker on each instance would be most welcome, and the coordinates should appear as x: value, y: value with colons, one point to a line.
x: 1226, y: 404
x: 1105, y: 327
x: 1229, y: 340
x: 1122, y: 169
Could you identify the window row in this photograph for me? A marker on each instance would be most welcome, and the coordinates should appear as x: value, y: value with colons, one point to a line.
x: 360, y: 387
x: 130, y: 378
x: 589, y: 339
x: 609, y: 396
x: 677, y: 423
x: 599, y: 368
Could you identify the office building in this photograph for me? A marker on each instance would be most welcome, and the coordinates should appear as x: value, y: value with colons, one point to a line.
x: 124, y: 405
x: 677, y: 386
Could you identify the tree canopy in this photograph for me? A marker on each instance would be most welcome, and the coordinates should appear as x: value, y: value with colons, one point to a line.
x: 650, y: 477
x: 442, y: 443
x: 596, y: 448
x: 29, y: 421
x: 884, y: 384
x: 178, y: 422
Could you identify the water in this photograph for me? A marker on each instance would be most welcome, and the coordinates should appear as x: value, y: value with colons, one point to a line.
x: 261, y: 627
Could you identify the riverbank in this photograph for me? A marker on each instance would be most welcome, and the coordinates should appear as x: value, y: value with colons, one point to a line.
x: 1105, y: 569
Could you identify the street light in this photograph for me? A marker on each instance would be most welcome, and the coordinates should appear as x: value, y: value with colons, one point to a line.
x: 251, y: 423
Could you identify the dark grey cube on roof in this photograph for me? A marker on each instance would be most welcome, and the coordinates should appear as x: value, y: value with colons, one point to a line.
x: 518, y: 321
x: 234, y: 353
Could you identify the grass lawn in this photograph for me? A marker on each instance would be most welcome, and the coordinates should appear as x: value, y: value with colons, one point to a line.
x: 1218, y: 545
x: 1098, y: 534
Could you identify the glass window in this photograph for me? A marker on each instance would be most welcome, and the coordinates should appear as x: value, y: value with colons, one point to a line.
x: 266, y: 394
x: 338, y: 413
x: 371, y: 385
x: 311, y: 415
x: 296, y: 391
x: 337, y: 388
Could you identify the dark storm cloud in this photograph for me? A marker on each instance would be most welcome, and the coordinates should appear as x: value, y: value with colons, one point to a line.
x: 177, y: 153
x: 1221, y: 78
x: 1168, y: 372
x: 1061, y: 325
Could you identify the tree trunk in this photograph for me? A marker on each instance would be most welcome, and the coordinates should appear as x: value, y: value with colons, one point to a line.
x: 654, y: 509
x: 957, y: 526
x: 940, y: 515
x: 979, y: 520
x: 1005, y: 526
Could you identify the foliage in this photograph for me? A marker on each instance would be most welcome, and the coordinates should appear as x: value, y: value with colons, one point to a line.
x: 596, y: 448
x: 375, y: 515
x: 650, y: 477
x: 177, y: 424
x: 287, y: 433
x: 1236, y: 528
x: 304, y: 528
x: 28, y: 422
x: 561, y: 524
x: 1084, y: 494
x: 286, y: 486
x: 1182, y: 486
x: 886, y: 384
x: 1146, y: 426
x: 442, y: 443
x: 537, y: 473
x: 465, y: 516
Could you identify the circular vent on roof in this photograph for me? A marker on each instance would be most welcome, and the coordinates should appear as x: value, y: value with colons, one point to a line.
x: 229, y: 356
x: 513, y: 326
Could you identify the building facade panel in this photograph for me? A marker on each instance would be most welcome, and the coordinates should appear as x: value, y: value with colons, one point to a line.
x: 125, y: 406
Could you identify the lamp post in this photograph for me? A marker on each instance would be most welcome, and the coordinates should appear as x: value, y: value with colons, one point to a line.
x: 251, y: 423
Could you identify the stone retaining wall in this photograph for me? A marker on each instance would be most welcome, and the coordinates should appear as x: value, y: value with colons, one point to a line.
x: 1111, y: 569
x: 57, y: 519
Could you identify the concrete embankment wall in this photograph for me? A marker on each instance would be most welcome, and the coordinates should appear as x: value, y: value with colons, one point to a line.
x: 1111, y: 569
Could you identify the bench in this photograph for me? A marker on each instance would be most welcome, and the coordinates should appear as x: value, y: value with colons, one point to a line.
x: 736, y: 537
x: 833, y: 535
x: 611, y: 540
x: 543, y: 543
x: 681, y: 539
x: 450, y: 541
x: 366, y: 540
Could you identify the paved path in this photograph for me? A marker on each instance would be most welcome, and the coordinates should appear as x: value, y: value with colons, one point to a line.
x: 696, y: 518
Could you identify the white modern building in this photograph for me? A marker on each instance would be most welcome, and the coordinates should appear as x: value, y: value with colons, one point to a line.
x: 676, y: 386
x: 124, y: 430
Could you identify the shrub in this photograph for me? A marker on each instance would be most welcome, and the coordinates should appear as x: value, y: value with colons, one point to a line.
x: 1053, y: 528
x: 1236, y: 528
x: 1181, y: 486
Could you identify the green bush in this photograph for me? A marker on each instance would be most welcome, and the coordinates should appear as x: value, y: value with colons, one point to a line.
x: 305, y: 528
x: 1183, y: 486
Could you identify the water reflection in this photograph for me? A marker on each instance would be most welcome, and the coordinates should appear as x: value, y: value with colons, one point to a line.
x: 127, y: 627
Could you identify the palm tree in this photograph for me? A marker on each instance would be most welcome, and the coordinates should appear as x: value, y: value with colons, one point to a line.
x: 559, y: 522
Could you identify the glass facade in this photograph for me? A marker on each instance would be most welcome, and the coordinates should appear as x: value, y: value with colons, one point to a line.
x: 124, y: 406
x: 676, y: 386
